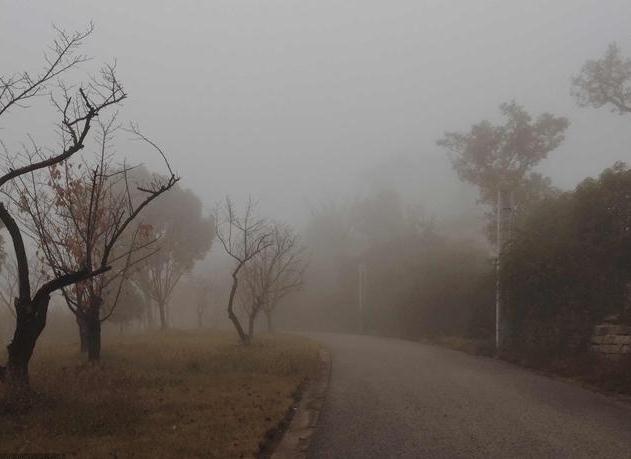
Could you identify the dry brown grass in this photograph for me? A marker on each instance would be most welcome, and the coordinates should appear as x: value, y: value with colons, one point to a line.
x: 162, y: 395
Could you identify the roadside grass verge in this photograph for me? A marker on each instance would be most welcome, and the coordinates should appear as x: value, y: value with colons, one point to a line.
x: 175, y: 394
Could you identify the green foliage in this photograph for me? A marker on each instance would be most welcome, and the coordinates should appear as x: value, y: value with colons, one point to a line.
x: 605, y: 81
x: 493, y: 157
x: 569, y: 266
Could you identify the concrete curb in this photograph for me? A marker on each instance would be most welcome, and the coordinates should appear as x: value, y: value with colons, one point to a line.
x: 297, y: 438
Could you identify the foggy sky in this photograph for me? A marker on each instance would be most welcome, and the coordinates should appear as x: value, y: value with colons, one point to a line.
x: 293, y: 100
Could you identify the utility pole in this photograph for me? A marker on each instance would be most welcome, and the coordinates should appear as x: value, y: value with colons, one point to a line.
x: 498, y: 285
x: 361, y: 293
x: 504, y: 216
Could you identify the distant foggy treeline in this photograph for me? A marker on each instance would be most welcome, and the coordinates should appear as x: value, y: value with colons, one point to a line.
x: 417, y: 281
x: 564, y: 257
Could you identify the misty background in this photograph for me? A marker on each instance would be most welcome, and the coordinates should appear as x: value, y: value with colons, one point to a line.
x: 299, y: 102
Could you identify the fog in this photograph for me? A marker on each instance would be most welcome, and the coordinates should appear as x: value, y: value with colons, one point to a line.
x: 263, y: 228
x: 296, y: 102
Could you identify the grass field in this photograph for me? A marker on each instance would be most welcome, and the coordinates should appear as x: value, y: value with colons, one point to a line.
x: 176, y: 394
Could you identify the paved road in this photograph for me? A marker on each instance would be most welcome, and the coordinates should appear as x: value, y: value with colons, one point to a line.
x: 392, y: 398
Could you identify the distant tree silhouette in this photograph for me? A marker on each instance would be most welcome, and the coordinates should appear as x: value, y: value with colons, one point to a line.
x: 605, y: 81
x: 273, y: 273
x: 184, y: 236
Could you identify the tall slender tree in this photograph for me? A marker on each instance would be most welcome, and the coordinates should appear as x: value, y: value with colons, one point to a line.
x: 243, y: 237
x: 497, y: 160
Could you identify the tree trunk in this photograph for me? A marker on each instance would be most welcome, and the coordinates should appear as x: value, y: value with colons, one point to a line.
x: 233, y: 317
x: 93, y: 320
x: 83, y: 331
x: 163, y: 315
x: 268, y: 317
x: 94, y: 340
x: 30, y: 321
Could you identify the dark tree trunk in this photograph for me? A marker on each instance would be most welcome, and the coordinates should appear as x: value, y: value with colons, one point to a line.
x: 93, y: 319
x: 94, y: 341
x: 30, y: 321
x: 233, y: 317
x: 268, y: 319
x: 83, y: 331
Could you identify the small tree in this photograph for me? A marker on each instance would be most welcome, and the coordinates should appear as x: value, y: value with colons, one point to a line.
x: 243, y: 237
x: 605, y: 81
x: 76, y: 115
x: 84, y: 214
x: 274, y: 273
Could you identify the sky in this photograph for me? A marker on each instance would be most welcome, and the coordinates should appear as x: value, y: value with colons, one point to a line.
x: 299, y: 101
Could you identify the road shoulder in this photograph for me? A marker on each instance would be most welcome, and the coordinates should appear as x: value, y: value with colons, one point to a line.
x: 304, y: 419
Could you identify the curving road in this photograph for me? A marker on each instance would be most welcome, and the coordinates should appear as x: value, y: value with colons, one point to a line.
x: 392, y: 398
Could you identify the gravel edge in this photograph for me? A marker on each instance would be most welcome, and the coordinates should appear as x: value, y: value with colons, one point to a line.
x: 297, y: 438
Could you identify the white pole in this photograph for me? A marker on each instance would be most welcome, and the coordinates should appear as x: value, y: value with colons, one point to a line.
x: 498, y: 295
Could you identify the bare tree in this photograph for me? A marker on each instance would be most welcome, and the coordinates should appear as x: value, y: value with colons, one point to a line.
x: 274, y: 272
x: 81, y: 214
x: 76, y: 112
x: 605, y: 81
x: 243, y: 237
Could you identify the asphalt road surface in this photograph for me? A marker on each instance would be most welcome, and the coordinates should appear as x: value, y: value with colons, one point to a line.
x: 392, y: 398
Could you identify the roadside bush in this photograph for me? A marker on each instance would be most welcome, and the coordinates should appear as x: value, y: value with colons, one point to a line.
x: 568, y: 267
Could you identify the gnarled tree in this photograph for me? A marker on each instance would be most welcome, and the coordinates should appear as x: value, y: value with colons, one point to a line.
x: 243, y: 237
x: 76, y: 112
x: 82, y: 214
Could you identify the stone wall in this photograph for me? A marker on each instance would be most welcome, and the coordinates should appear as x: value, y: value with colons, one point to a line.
x: 611, y: 340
